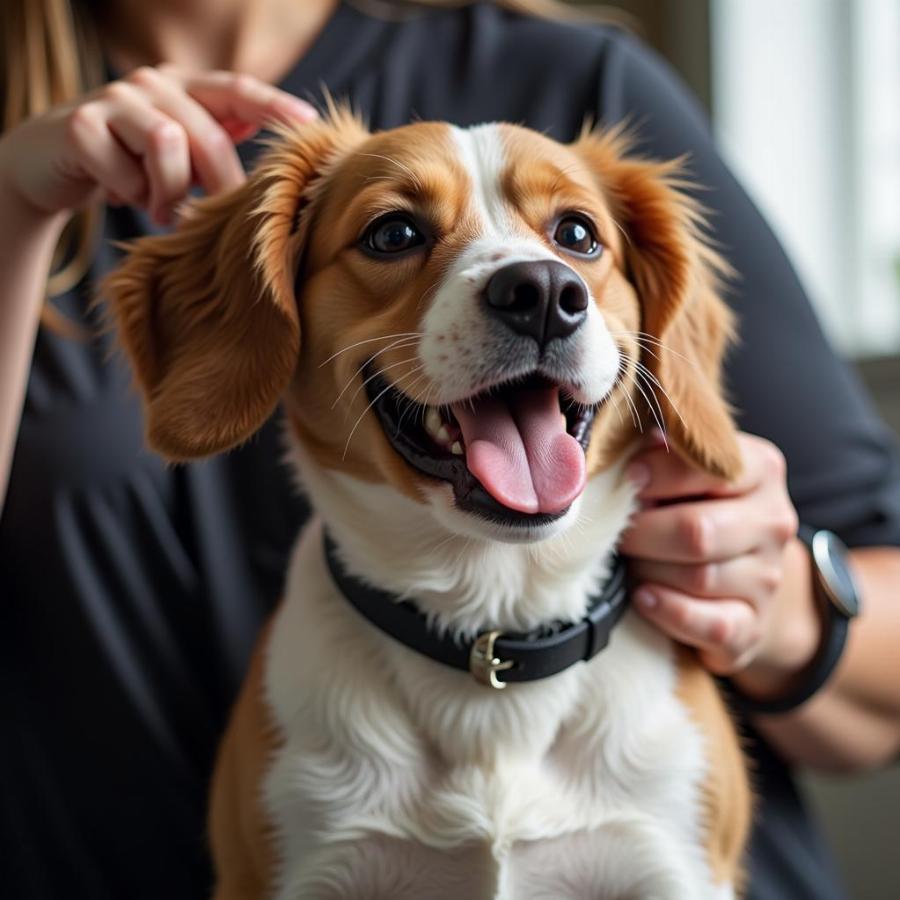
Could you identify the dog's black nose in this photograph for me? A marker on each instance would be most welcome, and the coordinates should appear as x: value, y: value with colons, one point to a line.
x: 543, y: 299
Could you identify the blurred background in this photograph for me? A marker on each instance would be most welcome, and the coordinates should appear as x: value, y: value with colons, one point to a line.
x: 804, y: 98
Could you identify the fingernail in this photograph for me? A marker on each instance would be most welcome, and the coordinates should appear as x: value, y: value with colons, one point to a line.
x: 638, y: 474
x: 645, y: 599
x: 302, y: 110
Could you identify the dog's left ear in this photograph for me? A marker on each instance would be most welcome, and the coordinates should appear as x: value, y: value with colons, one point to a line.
x: 207, y: 314
x: 676, y: 275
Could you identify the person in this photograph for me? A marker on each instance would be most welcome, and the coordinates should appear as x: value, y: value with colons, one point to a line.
x: 131, y: 592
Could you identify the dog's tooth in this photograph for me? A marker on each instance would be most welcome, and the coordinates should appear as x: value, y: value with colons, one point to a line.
x: 457, y: 449
x: 443, y: 434
x: 432, y: 421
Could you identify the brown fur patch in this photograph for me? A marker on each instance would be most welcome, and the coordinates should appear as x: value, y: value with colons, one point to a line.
x: 241, y: 835
x: 726, y: 791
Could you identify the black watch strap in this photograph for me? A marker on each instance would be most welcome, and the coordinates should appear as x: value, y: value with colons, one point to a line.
x: 835, y: 624
x: 818, y: 672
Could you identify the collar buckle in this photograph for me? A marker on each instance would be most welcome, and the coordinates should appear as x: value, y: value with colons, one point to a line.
x: 483, y: 665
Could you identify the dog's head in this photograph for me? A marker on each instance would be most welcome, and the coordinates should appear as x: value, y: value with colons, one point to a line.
x: 478, y: 318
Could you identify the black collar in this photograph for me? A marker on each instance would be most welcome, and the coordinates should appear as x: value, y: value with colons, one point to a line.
x: 517, y: 657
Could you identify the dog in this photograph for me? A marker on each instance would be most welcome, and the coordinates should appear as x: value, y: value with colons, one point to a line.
x: 467, y: 330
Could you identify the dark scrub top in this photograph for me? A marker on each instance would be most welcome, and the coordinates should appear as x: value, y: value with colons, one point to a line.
x: 131, y: 592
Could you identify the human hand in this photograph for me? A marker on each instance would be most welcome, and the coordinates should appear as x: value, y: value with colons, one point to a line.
x: 718, y: 565
x: 143, y: 140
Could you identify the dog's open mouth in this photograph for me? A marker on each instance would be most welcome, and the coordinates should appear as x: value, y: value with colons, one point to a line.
x: 514, y: 454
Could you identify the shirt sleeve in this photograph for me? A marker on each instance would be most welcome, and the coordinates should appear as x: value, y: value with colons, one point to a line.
x: 784, y: 379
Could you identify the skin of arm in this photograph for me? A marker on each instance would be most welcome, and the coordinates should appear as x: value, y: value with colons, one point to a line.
x: 735, y: 583
x: 28, y: 238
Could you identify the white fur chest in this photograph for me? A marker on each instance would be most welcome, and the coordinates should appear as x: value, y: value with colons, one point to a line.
x: 400, y: 778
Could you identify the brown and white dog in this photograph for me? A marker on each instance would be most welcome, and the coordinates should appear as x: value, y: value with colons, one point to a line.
x: 481, y: 296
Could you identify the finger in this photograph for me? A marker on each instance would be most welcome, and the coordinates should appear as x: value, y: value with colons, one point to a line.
x: 230, y: 95
x: 103, y: 158
x: 168, y: 163
x: 703, y: 531
x: 727, y: 631
x: 160, y: 143
x: 212, y: 152
x: 661, y: 474
x: 239, y: 131
x: 748, y: 576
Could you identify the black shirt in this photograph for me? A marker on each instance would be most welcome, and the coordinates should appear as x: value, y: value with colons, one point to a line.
x: 131, y: 592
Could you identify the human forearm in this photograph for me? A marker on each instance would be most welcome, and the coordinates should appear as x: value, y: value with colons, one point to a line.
x: 27, y: 240
x: 854, y: 721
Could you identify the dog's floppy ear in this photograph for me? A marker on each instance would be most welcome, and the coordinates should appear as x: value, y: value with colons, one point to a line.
x: 676, y: 275
x: 207, y: 314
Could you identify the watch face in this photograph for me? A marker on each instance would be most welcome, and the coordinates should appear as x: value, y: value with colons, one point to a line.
x: 830, y: 555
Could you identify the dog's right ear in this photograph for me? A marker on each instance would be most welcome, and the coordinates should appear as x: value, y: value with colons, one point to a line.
x: 207, y: 314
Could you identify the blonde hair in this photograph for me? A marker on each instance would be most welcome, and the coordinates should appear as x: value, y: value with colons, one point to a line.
x: 50, y: 55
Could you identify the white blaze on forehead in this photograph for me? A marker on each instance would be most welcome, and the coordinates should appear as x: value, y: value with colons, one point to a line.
x: 482, y: 153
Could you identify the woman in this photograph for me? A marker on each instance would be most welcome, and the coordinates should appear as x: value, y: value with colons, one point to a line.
x: 131, y: 592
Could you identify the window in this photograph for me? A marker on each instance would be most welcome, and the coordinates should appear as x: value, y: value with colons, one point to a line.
x: 806, y: 106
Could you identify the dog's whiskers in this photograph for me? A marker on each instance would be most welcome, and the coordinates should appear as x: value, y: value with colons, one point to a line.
x: 411, y: 403
x: 618, y: 409
x: 643, y: 338
x: 374, y: 400
x: 399, y: 344
x: 375, y: 375
x: 647, y: 374
x: 635, y: 415
x: 383, y: 337
x: 657, y: 417
x: 641, y: 373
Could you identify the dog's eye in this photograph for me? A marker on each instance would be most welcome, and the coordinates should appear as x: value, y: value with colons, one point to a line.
x: 576, y: 234
x: 392, y: 234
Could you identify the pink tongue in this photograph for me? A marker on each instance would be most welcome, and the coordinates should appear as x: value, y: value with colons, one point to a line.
x: 518, y: 448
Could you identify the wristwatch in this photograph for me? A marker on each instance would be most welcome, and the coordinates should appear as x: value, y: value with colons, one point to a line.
x: 838, y: 602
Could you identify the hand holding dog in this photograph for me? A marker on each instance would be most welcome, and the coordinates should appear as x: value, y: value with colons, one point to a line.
x: 718, y: 565
x: 144, y: 140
